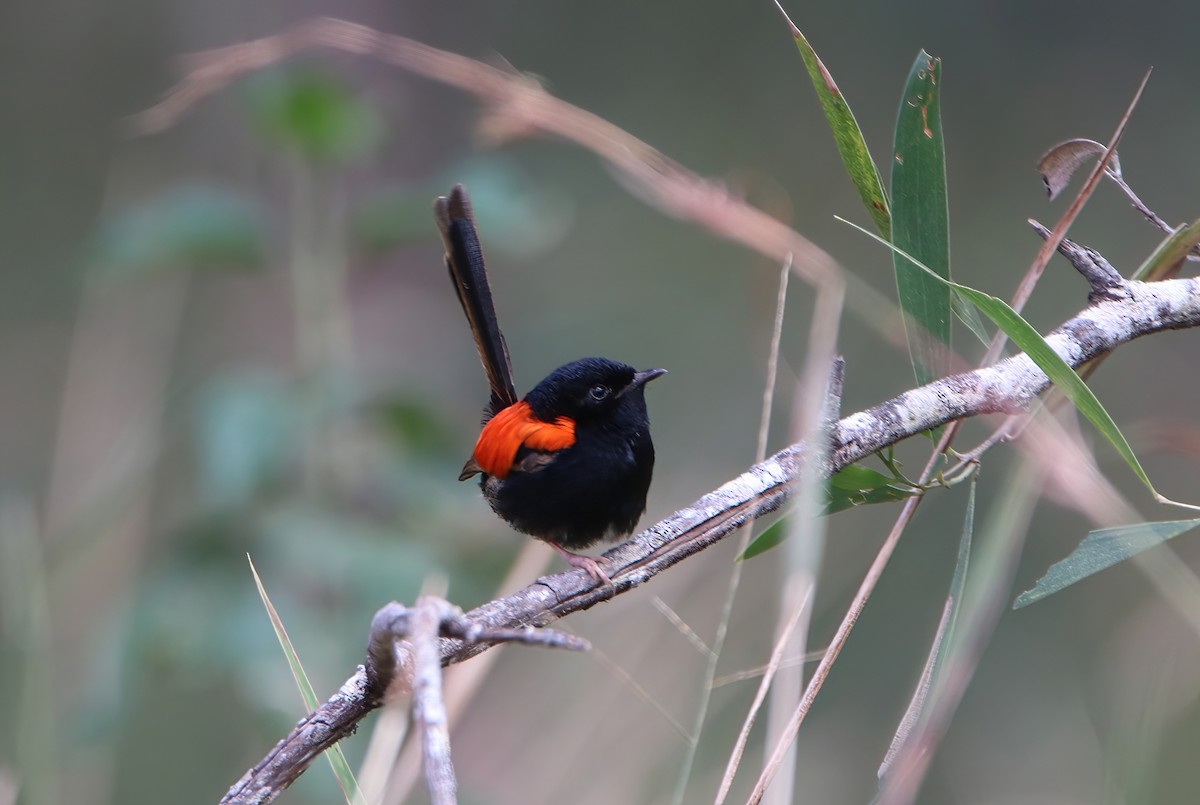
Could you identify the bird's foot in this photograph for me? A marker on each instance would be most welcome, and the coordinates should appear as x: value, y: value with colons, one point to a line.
x: 588, y: 563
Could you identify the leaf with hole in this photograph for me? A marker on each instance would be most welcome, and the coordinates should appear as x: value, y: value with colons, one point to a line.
x: 920, y: 219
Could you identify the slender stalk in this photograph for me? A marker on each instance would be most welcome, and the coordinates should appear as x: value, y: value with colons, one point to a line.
x: 735, y: 573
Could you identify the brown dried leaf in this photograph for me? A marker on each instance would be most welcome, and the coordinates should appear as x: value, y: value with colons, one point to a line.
x: 1059, y: 164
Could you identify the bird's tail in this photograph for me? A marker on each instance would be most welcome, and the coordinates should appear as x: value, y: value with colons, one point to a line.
x: 464, y: 259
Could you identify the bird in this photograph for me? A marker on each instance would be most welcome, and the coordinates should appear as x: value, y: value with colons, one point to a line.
x: 570, y: 463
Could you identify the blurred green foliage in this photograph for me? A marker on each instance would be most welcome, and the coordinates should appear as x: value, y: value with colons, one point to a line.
x: 313, y: 112
x: 188, y: 226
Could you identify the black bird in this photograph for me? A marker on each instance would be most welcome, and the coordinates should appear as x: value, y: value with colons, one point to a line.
x: 569, y: 464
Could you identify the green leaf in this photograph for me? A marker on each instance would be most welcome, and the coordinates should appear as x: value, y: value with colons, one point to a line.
x: 1100, y: 550
x: 852, y: 486
x: 337, y: 760
x: 1166, y: 259
x: 1063, y: 377
x: 969, y: 316
x: 856, y: 477
x: 920, y: 218
x: 840, y: 500
x: 1030, y: 341
x: 862, y: 486
x: 772, y: 537
x: 315, y: 113
x: 189, y: 226
x: 958, y: 583
x: 942, y: 639
x: 846, y: 134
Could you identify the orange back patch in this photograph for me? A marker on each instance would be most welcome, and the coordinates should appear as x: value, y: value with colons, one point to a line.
x: 516, y: 427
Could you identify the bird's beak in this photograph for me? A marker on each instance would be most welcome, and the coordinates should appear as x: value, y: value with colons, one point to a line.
x: 642, y: 378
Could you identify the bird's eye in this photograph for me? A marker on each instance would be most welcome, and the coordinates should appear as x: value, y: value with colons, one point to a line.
x: 599, y: 392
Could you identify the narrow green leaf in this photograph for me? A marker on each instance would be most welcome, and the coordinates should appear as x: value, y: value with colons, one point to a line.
x: 1100, y: 550
x: 846, y: 134
x: 958, y: 582
x: 920, y: 218
x: 942, y: 638
x: 1166, y: 259
x: 1030, y: 341
x: 765, y: 541
x: 969, y: 316
x: 337, y: 760
x: 1063, y: 377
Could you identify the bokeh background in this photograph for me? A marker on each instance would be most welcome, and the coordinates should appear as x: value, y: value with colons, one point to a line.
x: 236, y: 337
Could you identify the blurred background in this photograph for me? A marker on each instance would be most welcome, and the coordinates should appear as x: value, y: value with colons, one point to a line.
x: 236, y: 337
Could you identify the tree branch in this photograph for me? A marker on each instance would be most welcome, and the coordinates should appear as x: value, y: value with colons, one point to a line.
x: 402, y: 648
x: 1008, y: 386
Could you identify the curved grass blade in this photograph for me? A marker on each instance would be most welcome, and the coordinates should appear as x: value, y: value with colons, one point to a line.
x: 1166, y: 260
x: 1100, y: 550
x: 920, y: 219
x: 969, y: 316
x: 846, y: 134
x: 942, y: 638
x: 337, y: 760
x: 1063, y: 377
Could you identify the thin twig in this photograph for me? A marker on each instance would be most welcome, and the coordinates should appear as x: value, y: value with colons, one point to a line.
x: 625, y: 678
x: 461, y: 687
x: 1100, y: 274
x: 870, y: 580
x: 754, y: 673
x: 981, y: 614
x: 681, y: 626
x: 735, y: 572
x: 768, y: 675
x: 1149, y: 214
